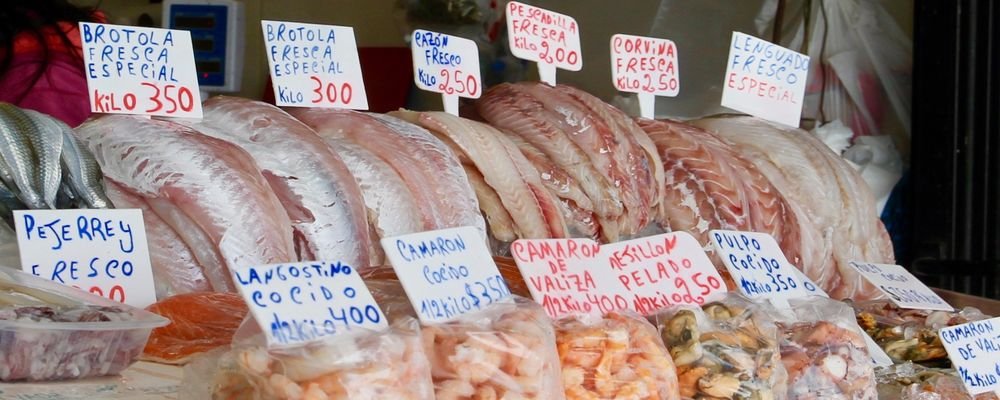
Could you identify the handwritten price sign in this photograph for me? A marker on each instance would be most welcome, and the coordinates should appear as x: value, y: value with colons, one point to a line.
x: 646, y: 66
x: 103, y: 252
x: 974, y: 349
x: 304, y: 302
x: 760, y: 268
x: 446, y: 273
x: 765, y: 80
x: 578, y: 276
x: 133, y: 70
x: 314, y: 65
x: 901, y: 286
x: 446, y: 64
x: 549, y: 38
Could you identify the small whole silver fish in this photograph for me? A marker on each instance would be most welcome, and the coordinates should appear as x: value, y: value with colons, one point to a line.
x: 46, y: 138
x: 81, y: 173
x: 18, y: 157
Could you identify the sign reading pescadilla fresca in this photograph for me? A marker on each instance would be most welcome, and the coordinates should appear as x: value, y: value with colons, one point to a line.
x: 548, y: 38
x: 297, y: 303
x: 646, y: 275
x: 103, y: 252
x: 446, y: 273
x: 314, y: 65
x: 134, y: 70
x: 765, y: 80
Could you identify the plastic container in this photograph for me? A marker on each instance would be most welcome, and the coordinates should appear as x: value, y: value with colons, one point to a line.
x: 51, y: 332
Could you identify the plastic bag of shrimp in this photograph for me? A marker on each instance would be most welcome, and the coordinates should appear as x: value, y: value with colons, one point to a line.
x: 617, y: 356
x: 388, y: 364
x: 724, y: 350
x: 506, y: 351
x: 824, y: 351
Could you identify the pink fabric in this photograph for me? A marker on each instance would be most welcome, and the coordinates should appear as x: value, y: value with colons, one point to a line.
x: 61, y: 91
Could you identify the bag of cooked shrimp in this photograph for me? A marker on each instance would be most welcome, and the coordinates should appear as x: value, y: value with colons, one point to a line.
x: 824, y: 351
x: 617, y: 356
x: 505, y: 351
x: 387, y: 364
x: 724, y: 350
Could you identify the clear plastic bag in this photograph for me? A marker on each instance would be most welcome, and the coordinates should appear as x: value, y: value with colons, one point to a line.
x: 909, y: 381
x: 911, y: 335
x: 824, y: 352
x: 726, y: 350
x: 504, y: 352
x: 388, y: 364
x: 619, y: 356
x: 199, y: 322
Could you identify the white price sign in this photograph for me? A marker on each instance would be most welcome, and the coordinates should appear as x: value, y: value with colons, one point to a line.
x: 765, y: 80
x: 646, y: 66
x: 974, y: 350
x: 446, y: 64
x: 134, y: 70
x: 760, y: 269
x: 298, y: 303
x: 548, y: 38
x: 904, y: 289
x: 103, y: 252
x: 314, y: 65
x: 446, y: 273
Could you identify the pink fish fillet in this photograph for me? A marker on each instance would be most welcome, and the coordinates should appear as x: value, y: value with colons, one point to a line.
x: 312, y: 182
x: 209, y: 191
x: 809, y: 174
x: 497, y: 218
x: 643, y: 160
x: 175, y: 270
x: 511, y: 109
x: 429, y: 168
x: 533, y: 208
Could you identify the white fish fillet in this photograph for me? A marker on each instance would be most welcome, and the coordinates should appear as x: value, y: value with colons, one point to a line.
x: 175, y: 270
x: 209, y: 191
x: 815, y: 179
x: 392, y: 210
x: 317, y: 190
x: 429, y: 168
x: 497, y: 218
x: 532, y: 207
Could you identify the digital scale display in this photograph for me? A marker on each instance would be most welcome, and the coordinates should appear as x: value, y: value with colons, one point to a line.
x: 216, y: 28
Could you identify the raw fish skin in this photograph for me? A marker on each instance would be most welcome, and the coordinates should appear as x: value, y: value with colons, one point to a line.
x: 644, y: 165
x: 429, y: 168
x: 46, y: 138
x: 81, y: 173
x: 392, y: 210
x: 511, y: 109
x: 530, y: 205
x: 315, y: 187
x: 498, y: 220
x: 208, y: 190
x: 832, y: 200
x: 18, y: 159
x: 175, y: 269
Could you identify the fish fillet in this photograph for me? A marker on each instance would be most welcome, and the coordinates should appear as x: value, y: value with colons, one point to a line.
x: 392, y: 209
x: 646, y: 165
x: 533, y: 208
x: 428, y: 167
x: 497, y: 218
x: 513, y: 110
x: 315, y: 187
x: 609, y: 151
x: 175, y: 269
x: 811, y: 176
x: 209, y: 191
